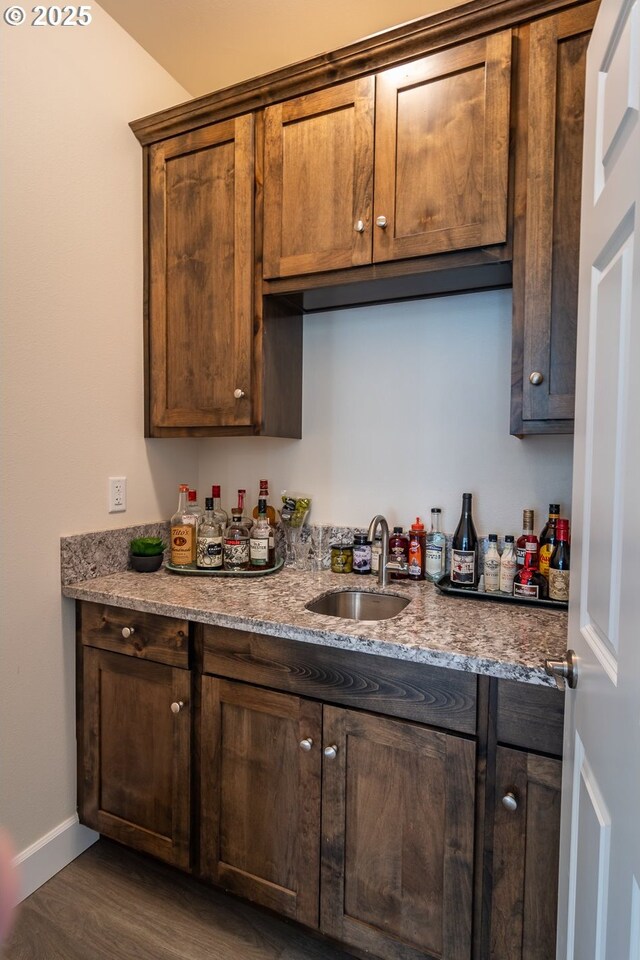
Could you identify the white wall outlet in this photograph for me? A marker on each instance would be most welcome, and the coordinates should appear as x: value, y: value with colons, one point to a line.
x: 117, y: 494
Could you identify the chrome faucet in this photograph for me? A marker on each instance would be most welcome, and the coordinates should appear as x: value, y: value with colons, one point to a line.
x: 380, y: 521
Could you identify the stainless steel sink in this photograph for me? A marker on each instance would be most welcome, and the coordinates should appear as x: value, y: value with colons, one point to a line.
x: 358, y: 605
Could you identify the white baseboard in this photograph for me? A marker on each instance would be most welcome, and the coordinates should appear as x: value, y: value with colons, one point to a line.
x: 44, y: 858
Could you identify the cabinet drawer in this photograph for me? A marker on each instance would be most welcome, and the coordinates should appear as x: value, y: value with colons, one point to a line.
x: 415, y: 691
x: 531, y: 717
x: 151, y: 637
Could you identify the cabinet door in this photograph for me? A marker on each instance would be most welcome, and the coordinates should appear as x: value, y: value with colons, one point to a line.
x: 546, y: 241
x: 525, y: 857
x: 318, y: 180
x: 201, y: 276
x: 442, y: 151
x: 397, y: 837
x: 136, y: 766
x: 260, y: 796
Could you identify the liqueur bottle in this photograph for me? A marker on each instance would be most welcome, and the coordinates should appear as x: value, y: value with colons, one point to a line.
x: 508, y: 566
x: 492, y: 566
x: 221, y: 515
x: 560, y: 563
x: 528, y: 581
x: 527, y: 531
x: 209, y: 540
x: 261, y: 551
x: 398, y: 554
x: 417, y: 550
x: 264, y: 495
x: 183, y: 532
x: 236, y: 553
x: 464, y: 552
x: 548, y: 539
x: 436, y: 549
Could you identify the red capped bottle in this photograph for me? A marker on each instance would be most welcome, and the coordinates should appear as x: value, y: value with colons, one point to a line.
x: 528, y: 581
x: 527, y: 531
x: 560, y: 563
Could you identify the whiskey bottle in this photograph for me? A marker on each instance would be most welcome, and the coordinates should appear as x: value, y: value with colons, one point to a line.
x: 264, y: 495
x: 261, y: 551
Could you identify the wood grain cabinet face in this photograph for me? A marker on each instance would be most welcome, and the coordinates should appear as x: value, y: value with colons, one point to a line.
x: 397, y: 837
x: 136, y: 763
x: 440, y: 170
x: 525, y: 857
x: 547, y: 233
x: 200, y: 329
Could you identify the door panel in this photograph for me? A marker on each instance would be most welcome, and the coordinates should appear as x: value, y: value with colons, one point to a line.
x: 402, y: 796
x: 318, y: 180
x: 442, y: 150
x: 201, y: 277
x: 260, y: 807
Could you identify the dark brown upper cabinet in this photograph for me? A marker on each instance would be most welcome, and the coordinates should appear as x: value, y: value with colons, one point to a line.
x: 439, y: 182
x: 547, y: 224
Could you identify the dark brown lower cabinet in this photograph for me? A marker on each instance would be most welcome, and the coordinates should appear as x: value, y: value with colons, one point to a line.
x: 526, y: 837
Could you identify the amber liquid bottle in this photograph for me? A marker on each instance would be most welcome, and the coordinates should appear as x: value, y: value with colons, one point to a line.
x: 264, y: 495
x: 548, y: 539
x: 560, y: 563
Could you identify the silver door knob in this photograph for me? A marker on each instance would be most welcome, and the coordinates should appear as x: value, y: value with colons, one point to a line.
x: 381, y: 222
x: 306, y: 744
x: 510, y: 802
x: 331, y: 752
x: 359, y: 226
x: 128, y: 632
x: 535, y: 378
x: 564, y: 671
x: 177, y: 706
x: 238, y: 393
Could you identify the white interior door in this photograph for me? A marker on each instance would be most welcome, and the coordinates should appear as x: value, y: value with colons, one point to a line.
x: 599, y: 912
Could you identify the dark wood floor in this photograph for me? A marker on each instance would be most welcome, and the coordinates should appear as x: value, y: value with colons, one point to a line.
x: 113, y: 904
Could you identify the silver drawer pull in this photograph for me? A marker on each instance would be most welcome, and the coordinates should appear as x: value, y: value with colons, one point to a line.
x: 128, y: 632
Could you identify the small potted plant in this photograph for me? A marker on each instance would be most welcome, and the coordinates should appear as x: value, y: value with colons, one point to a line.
x: 147, y: 553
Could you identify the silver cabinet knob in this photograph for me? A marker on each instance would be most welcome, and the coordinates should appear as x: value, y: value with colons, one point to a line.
x: 564, y: 671
x: 128, y: 632
x: 535, y: 378
x: 238, y: 393
x: 510, y: 801
x: 381, y: 222
x: 176, y: 707
x: 306, y: 744
x: 331, y: 752
x: 359, y: 226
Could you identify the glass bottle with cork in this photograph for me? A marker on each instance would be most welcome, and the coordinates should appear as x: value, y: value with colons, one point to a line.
x: 261, y: 542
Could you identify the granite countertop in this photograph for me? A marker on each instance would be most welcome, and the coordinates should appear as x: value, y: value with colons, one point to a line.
x: 485, y: 637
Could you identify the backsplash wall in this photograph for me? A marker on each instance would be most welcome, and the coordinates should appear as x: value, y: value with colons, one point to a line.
x: 405, y: 406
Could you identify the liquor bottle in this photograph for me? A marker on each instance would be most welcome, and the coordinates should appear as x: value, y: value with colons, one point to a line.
x: 560, y: 563
x: 464, y: 552
x: 436, y: 549
x: 548, y: 539
x: 271, y: 513
x: 260, y: 550
x: 527, y: 531
x: 398, y: 554
x: 246, y: 519
x: 183, y: 532
x: 528, y: 581
x: 221, y: 515
x: 492, y: 566
x: 508, y: 565
x: 417, y: 550
x: 193, y: 508
x: 209, y: 540
x: 236, y: 553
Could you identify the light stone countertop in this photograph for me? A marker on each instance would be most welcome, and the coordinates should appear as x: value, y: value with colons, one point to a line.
x: 477, y: 636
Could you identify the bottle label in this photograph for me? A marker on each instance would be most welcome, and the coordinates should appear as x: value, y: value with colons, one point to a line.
x: 434, y: 560
x: 259, y: 549
x: 529, y: 590
x: 209, y: 552
x: 362, y: 558
x: 182, y: 544
x: 415, y: 560
x: 236, y: 553
x: 520, y: 552
x: 559, y: 584
x: 507, y: 573
x: 492, y: 573
x: 463, y: 566
x: 545, y: 556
